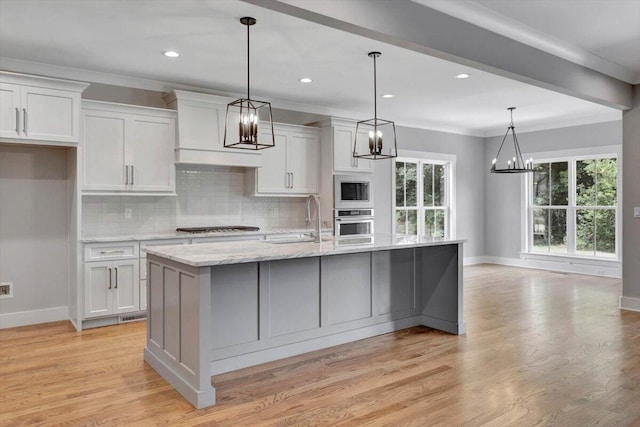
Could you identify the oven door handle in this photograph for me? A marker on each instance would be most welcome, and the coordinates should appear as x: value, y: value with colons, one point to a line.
x: 352, y: 219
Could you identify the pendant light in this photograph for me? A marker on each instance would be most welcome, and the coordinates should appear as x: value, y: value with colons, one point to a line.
x: 246, y: 114
x: 376, y: 129
x: 515, y: 164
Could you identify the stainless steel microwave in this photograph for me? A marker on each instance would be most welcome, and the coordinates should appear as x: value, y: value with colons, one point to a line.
x: 352, y: 192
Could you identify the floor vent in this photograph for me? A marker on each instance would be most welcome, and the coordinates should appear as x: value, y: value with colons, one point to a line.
x: 132, y: 318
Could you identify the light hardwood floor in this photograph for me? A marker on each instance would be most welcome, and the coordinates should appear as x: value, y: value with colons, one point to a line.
x: 541, y: 348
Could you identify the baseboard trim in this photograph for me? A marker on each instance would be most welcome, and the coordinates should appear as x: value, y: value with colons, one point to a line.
x: 560, y: 265
x: 33, y: 317
x: 629, y: 303
x: 476, y: 260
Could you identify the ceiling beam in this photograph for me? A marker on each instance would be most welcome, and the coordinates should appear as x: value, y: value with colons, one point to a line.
x: 409, y: 25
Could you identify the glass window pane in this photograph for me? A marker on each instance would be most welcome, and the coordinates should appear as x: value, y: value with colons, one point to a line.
x: 540, y: 189
x: 607, y: 182
x: 439, y: 230
x: 558, y: 231
x: 438, y: 185
x: 585, y: 183
x: 585, y: 229
x: 429, y: 223
x: 605, y: 232
x: 540, y: 230
x: 560, y: 183
x: 412, y: 222
x: 427, y: 184
x: 401, y: 221
x: 412, y: 188
x: 400, y: 184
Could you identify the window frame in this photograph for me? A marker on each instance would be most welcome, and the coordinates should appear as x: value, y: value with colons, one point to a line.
x: 572, y: 157
x: 421, y: 158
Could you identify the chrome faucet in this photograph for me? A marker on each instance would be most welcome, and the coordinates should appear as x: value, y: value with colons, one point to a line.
x: 307, y: 216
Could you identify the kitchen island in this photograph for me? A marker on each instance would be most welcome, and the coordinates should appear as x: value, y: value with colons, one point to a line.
x: 218, y: 307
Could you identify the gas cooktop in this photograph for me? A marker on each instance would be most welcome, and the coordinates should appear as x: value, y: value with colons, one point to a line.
x: 217, y: 229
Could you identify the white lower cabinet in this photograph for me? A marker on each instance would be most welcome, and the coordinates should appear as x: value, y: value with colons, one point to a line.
x: 111, y: 287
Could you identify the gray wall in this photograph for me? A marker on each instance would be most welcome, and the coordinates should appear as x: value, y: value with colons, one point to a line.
x: 469, y: 182
x: 34, y: 227
x: 631, y: 198
x: 503, y: 191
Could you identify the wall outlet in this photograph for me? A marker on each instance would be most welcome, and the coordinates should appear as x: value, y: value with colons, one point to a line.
x: 6, y: 290
x: 636, y: 212
x: 127, y: 213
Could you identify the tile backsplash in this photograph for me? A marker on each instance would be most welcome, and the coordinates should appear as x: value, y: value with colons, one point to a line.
x: 207, y: 196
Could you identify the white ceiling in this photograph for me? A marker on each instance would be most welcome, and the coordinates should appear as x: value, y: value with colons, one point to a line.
x: 123, y: 37
x: 599, y: 34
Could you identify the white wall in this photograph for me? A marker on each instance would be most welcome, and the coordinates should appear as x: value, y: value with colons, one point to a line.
x: 34, y: 227
x: 469, y: 151
x: 503, y: 196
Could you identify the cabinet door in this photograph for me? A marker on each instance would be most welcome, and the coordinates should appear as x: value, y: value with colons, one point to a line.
x: 343, y: 149
x: 98, y: 286
x: 126, y: 286
x: 10, y: 114
x: 151, y: 142
x: 343, y: 160
x: 272, y: 176
x: 104, y: 150
x: 50, y: 114
x: 362, y: 144
x: 303, y: 154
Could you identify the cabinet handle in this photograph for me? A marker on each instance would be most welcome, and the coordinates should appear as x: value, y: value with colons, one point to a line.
x: 17, y: 120
x: 126, y: 174
x: 291, y: 179
x: 109, y: 278
x: 24, y: 120
x: 119, y: 251
x: 116, y: 277
x: 132, y: 175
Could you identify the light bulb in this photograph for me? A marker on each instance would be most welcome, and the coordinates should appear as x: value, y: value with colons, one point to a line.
x: 379, y: 133
x: 493, y: 162
x: 509, y: 163
x: 370, y: 134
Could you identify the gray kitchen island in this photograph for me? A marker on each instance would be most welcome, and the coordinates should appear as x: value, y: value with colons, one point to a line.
x: 217, y: 307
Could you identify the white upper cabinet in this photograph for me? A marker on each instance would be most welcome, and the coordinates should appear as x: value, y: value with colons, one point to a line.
x: 39, y: 109
x: 128, y: 149
x: 342, y: 140
x: 291, y: 167
x: 201, y: 122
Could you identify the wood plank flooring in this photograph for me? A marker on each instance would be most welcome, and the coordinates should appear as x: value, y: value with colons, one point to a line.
x: 542, y: 349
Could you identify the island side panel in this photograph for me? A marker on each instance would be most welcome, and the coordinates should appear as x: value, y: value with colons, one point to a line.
x: 440, y: 274
x: 394, y: 280
x: 179, y: 320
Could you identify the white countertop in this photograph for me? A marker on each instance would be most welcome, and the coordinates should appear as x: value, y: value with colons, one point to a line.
x: 208, y: 254
x: 183, y: 235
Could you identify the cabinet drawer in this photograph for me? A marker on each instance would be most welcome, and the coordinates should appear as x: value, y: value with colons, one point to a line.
x: 106, y: 251
x: 165, y: 242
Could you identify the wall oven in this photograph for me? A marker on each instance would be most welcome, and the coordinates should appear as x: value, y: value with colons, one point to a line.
x: 353, y: 192
x: 353, y: 222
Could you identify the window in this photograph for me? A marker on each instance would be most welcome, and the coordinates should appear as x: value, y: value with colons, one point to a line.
x: 422, y: 197
x: 573, y: 207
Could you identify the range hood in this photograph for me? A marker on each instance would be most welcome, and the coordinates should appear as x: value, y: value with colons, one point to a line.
x: 201, y: 119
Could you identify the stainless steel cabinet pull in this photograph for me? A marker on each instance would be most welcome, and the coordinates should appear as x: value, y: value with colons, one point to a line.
x: 109, y: 278
x: 24, y: 120
x: 119, y: 251
x: 116, y: 277
x: 126, y: 174
x: 17, y: 120
x: 132, y: 175
x: 291, y: 179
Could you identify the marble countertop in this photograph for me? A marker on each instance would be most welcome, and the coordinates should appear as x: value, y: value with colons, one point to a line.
x: 208, y: 254
x: 183, y: 235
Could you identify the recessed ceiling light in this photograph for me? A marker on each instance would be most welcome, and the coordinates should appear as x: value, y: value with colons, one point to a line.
x: 305, y: 80
x: 388, y: 95
x: 171, y: 53
x: 462, y: 76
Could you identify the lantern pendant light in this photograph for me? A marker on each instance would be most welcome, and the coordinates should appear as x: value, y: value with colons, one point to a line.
x: 247, y: 114
x: 376, y: 129
x: 515, y: 164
